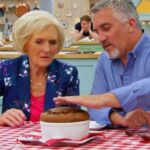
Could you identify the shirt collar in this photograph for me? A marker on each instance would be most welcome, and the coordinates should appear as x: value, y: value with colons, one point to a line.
x: 139, y: 46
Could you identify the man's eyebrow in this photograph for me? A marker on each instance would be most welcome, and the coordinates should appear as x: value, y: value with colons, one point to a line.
x: 104, y: 24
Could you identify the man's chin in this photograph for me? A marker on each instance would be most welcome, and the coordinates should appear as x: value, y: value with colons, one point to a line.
x: 114, y: 55
x: 113, y: 58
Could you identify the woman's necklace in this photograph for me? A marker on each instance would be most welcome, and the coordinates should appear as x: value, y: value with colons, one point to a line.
x: 35, y: 83
x: 38, y: 83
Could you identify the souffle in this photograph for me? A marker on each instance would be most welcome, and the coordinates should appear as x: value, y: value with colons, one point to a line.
x: 64, y: 115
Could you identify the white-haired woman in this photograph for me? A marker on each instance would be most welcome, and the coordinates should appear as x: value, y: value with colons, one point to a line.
x: 29, y: 83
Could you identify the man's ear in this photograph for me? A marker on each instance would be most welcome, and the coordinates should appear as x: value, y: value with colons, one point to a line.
x: 132, y: 24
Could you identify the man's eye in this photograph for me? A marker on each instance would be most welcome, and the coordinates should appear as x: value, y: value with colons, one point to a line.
x: 107, y: 28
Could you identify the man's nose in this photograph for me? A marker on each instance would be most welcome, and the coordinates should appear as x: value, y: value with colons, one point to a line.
x: 102, y: 37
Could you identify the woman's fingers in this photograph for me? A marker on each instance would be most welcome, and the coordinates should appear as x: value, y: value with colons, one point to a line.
x: 13, y: 117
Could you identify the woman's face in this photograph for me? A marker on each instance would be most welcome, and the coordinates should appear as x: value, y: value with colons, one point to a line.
x: 42, y: 47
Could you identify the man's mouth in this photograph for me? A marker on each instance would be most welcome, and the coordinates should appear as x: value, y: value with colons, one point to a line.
x: 105, y: 46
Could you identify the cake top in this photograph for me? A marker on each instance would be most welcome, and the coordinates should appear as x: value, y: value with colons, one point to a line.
x: 64, y: 115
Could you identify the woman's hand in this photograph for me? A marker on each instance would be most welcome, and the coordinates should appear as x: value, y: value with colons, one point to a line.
x: 12, y: 117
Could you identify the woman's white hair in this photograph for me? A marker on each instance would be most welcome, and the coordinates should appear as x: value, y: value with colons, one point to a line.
x: 34, y: 22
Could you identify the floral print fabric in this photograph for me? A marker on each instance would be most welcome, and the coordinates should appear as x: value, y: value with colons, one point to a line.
x: 62, y: 80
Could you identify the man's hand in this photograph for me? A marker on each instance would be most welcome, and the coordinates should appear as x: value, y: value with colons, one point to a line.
x: 133, y: 119
x: 137, y: 118
x: 12, y: 117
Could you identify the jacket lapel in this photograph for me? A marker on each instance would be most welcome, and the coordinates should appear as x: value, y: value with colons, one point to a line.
x: 51, y: 88
x: 24, y: 86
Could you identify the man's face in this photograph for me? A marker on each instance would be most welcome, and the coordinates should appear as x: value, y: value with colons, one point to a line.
x: 85, y: 25
x: 113, y: 35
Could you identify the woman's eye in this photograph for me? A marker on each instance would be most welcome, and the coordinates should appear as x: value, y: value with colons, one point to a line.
x: 53, y: 42
x: 38, y: 41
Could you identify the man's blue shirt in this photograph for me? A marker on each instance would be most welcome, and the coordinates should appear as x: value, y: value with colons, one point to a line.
x: 130, y: 83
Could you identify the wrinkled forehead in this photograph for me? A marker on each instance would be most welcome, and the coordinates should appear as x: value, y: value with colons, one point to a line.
x: 104, y: 16
x: 112, y: 12
x: 105, y: 13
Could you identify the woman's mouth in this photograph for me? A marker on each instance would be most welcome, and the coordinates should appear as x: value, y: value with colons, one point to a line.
x: 46, y: 57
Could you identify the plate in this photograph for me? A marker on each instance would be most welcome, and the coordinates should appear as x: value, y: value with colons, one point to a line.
x: 78, y: 142
x: 57, y: 14
x: 74, y: 5
x: 96, y: 126
x: 68, y: 13
x: 35, y: 138
x: 60, y: 3
x: 64, y: 24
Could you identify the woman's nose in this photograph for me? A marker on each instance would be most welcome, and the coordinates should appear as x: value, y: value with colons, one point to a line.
x: 46, y: 48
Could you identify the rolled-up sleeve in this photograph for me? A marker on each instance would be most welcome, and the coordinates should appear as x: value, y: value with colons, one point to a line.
x: 135, y: 95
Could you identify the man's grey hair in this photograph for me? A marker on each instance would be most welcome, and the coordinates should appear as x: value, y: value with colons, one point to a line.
x: 122, y: 9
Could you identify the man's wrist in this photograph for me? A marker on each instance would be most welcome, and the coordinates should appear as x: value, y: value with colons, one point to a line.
x: 112, y: 110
